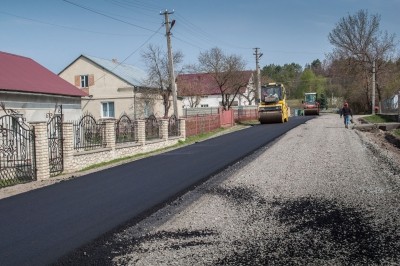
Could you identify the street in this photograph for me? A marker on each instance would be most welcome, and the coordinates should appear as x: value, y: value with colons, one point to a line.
x: 40, y: 226
x: 320, y: 195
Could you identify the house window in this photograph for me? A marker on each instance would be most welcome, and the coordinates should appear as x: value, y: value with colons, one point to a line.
x: 84, y: 81
x: 108, y: 109
x: 204, y: 105
x: 147, y: 109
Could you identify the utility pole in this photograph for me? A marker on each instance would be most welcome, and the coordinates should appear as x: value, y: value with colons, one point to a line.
x: 258, y: 81
x: 373, y: 87
x: 168, y: 28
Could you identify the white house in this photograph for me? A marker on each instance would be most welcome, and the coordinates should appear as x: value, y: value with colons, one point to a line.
x: 201, y: 90
x: 29, y: 90
x: 113, y: 88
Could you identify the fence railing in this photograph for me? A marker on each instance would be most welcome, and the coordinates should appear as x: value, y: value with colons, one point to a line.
x: 173, y: 126
x: 88, y: 133
x: 125, y: 130
x: 152, y: 128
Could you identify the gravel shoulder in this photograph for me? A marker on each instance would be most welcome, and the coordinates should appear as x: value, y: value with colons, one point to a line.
x: 320, y: 195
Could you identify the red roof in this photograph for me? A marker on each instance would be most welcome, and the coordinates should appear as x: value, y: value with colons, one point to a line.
x: 22, y: 74
x: 204, y: 83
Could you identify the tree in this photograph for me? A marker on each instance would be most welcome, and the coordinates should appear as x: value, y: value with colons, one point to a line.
x: 287, y: 74
x: 358, y: 39
x: 309, y: 82
x: 156, y: 61
x: 250, y: 93
x: 226, y: 71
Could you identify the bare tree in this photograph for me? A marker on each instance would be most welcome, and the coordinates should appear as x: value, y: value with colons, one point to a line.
x: 226, y: 71
x: 156, y: 61
x: 358, y: 39
x: 250, y: 93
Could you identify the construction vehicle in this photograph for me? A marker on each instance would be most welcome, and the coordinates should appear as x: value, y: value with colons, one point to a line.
x: 310, y: 104
x: 273, y: 107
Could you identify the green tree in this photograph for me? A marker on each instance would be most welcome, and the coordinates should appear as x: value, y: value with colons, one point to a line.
x: 309, y: 82
x: 288, y: 74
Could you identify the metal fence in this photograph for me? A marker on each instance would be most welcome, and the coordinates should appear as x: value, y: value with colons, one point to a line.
x: 201, y: 124
x: 17, y: 151
x: 125, y: 130
x: 173, y: 126
x: 187, y: 112
x: 152, y: 128
x: 88, y: 133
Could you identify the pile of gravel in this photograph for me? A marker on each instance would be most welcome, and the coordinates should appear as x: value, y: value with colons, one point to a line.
x: 321, y: 195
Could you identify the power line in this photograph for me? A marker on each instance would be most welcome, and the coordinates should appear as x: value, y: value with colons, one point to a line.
x: 107, y: 16
x: 135, y: 51
x: 66, y: 27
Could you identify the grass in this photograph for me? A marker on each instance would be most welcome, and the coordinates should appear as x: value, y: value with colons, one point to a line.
x: 188, y: 141
x: 376, y: 119
x: 396, y: 132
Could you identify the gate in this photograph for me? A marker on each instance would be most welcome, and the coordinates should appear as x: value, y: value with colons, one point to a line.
x: 55, y: 139
x: 17, y: 151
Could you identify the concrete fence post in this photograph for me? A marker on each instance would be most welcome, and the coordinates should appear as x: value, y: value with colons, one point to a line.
x: 42, y: 151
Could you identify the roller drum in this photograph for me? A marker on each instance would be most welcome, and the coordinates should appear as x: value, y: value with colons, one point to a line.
x: 270, y: 117
x: 311, y: 112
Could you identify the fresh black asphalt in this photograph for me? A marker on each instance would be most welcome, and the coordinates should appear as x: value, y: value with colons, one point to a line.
x: 40, y: 226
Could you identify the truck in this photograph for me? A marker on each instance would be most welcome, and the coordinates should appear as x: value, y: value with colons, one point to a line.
x: 311, y: 105
x: 273, y: 107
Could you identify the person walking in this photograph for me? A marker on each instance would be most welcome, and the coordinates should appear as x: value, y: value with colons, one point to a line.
x: 346, y: 113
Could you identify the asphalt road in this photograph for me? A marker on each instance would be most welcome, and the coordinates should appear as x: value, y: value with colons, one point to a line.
x: 40, y: 226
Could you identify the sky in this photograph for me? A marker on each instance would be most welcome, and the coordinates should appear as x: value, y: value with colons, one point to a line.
x: 56, y: 32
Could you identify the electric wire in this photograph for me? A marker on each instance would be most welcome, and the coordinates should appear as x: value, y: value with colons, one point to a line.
x: 107, y: 16
x: 67, y: 27
x: 135, y: 51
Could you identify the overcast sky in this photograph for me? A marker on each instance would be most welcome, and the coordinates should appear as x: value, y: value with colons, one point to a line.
x: 56, y: 32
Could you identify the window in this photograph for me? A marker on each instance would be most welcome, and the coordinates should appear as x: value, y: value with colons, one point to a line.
x: 108, y: 109
x: 147, y: 109
x: 204, y: 105
x: 84, y: 81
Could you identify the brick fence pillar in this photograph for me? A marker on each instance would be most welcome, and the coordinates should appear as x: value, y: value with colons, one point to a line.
x: 140, y: 129
x: 182, y: 128
x: 164, y: 129
x: 110, y: 133
x: 42, y: 151
x: 68, y: 147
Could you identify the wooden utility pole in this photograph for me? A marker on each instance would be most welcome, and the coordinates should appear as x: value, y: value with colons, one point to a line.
x: 258, y: 81
x: 171, y: 59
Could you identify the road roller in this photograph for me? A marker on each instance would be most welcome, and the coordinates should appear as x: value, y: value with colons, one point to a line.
x: 273, y: 107
x: 311, y: 104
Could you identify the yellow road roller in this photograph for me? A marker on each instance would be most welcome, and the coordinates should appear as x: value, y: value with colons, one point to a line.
x: 273, y: 107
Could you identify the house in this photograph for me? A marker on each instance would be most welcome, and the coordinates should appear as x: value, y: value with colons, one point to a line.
x: 29, y: 90
x: 113, y: 88
x: 201, y: 90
